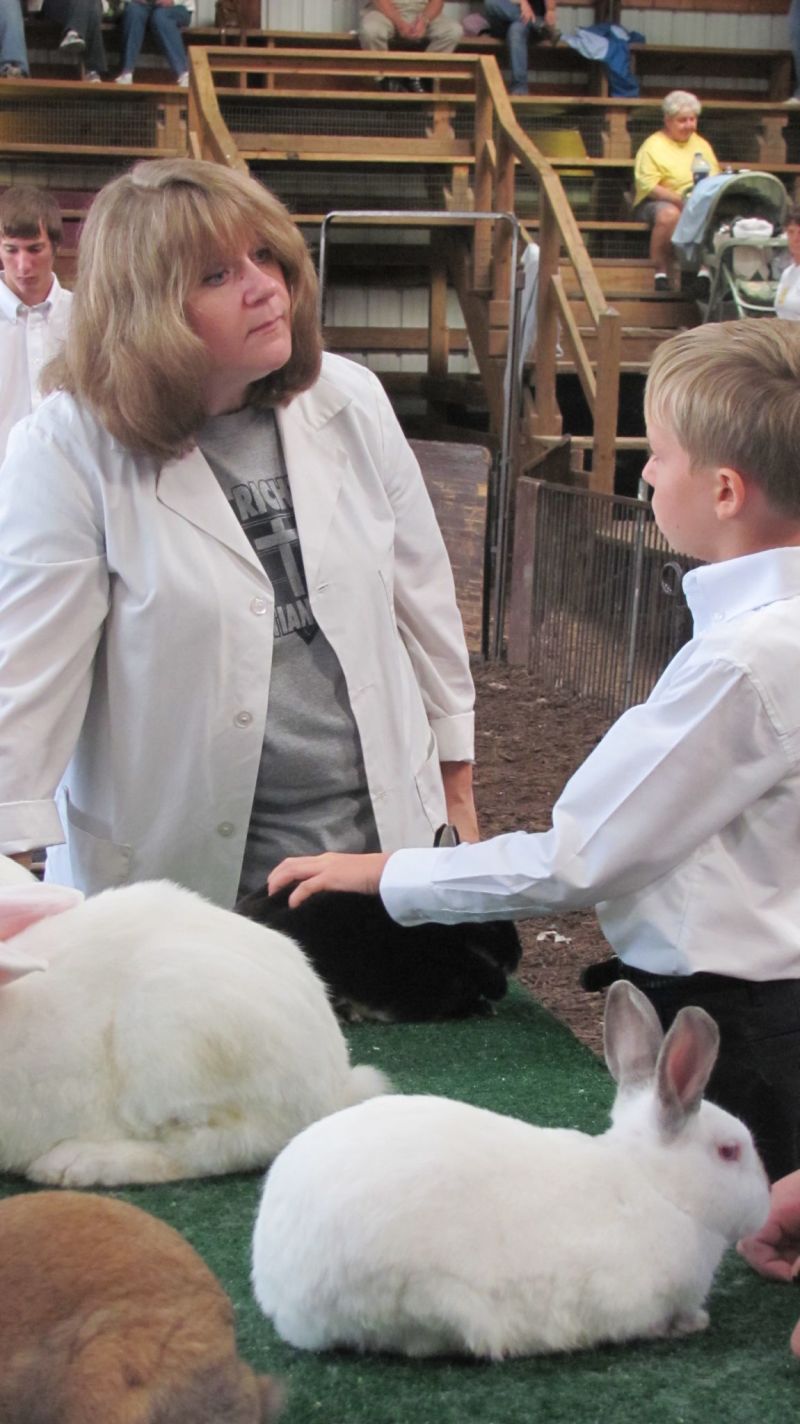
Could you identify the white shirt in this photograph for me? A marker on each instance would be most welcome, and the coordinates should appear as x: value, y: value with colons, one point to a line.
x: 29, y: 338
x: 787, y: 297
x: 683, y: 825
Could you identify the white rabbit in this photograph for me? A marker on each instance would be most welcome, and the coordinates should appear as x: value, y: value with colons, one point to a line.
x: 425, y: 1226
x: 165, y: 1038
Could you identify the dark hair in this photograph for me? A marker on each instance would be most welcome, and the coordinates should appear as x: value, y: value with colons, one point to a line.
x: 793, y: 216
x: 24, y: 211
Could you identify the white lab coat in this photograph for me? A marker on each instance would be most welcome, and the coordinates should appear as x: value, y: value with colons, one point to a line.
x: 136, y: 631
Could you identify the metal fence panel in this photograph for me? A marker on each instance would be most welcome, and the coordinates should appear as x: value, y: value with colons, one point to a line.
x: 608, y: 608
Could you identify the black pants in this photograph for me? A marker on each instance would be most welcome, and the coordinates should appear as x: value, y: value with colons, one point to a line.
x: 84, y: 16
x: 757, y: 1073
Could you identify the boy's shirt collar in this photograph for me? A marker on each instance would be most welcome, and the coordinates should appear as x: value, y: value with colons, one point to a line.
x: 716, y: 593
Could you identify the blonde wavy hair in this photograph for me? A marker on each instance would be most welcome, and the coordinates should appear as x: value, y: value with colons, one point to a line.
x: 149, y: 239
x: 730, y: 394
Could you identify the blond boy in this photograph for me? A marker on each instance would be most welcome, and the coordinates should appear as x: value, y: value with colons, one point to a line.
x: 683, y: 825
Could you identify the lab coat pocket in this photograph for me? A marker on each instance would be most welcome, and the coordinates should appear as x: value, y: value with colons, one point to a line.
x: 97, y: 862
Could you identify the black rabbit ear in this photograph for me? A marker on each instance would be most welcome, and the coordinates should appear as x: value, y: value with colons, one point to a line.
x: 685, y: 1063
x: 446, y: 837
x: 632, y: 1035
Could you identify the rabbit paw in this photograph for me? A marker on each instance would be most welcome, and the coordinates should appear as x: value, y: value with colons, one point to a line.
x: 687, y: 1322
x: 102, y: 1164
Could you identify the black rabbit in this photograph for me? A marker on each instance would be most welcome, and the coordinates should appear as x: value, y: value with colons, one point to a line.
x: 375, y: 968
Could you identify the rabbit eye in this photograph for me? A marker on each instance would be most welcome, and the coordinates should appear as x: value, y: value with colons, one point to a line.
x: 730, y: 1151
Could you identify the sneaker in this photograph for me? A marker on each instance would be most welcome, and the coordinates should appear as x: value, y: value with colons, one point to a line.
x: 183, y: 80
x: 126, y: 77
x: 391, y: 86
x: 702, y: 285
x: 72, y: 43
x: 661, y: 282
x: 9, y: 70
x: 793, y: 101
x: 92, y: 77
x: 551, y: 33
x: 414, y: 85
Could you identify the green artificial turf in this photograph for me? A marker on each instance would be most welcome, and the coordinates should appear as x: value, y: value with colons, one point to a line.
x: 521, y: 1062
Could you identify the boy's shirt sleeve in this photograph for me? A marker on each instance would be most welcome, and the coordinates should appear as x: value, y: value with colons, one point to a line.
x: 670, y: 774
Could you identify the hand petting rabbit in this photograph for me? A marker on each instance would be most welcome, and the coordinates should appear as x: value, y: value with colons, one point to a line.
x: 107, y: 1316
x: 164, y: 1038
x: 376, y: 968
x: 424, y: 1226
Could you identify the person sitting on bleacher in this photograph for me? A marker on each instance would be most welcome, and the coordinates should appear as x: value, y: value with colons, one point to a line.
x: 413, y: 21
x: 13, y: 50
x: 166, y: 19
x: 83, y: 35
x: 664, y: 177
x: 515, y: 21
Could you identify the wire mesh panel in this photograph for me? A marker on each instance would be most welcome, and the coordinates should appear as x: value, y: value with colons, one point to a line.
x: 325, y: 187
x: 82, y: 121
x: 608, y: 609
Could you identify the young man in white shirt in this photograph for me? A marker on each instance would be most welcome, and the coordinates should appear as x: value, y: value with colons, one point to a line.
x: 34, y: 308
x: 682, y: 827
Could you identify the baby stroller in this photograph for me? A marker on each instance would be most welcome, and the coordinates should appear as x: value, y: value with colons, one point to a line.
x: 732, y: 224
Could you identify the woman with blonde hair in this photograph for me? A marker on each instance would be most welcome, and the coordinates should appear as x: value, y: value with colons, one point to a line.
x: 666, y: 167
x: 227, y: 619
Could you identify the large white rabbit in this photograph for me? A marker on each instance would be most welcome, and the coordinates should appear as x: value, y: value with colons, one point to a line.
x: 425, y: 1226
x: 165, y: 1038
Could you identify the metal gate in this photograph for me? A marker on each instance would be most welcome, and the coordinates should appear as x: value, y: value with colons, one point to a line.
x: 608, y: 611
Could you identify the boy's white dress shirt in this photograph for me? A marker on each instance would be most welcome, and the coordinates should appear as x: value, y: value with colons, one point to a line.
x: 29, y: 338
x: 683, y: 825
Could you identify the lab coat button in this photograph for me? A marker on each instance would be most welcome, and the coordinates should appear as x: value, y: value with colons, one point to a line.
x: 243, y: 719
x: 225, y: 828
x: 258, y: 606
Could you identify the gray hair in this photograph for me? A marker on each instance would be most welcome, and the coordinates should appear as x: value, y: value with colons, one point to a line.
x: 678, y: 101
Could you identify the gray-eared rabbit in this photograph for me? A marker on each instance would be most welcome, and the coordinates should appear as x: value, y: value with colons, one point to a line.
x: 147, y: 1035
x: 378, y: 969
x: 107, y: 1316
x: 425, y: 1226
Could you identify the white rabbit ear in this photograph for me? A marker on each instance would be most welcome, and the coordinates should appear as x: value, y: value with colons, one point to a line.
x: 24, y: 905
x: 684, y: 1066
x: 14, y: 964
x: 632, y: 1035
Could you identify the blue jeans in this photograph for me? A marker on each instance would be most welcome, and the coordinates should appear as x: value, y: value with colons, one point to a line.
x: 794, y: 41
x: 166, y: 22
x: 13, y: 49
x: 506, y: 22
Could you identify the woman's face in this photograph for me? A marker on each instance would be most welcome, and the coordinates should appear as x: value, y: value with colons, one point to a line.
x: 241, y: 310
x: 680, y: 127
x: 793, y: 241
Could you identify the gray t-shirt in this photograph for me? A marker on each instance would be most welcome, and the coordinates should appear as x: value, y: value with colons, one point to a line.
x: 311, y: 794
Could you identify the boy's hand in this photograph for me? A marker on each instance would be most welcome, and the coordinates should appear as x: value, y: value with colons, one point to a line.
x: 331, y: 871
x: 775, y: 1249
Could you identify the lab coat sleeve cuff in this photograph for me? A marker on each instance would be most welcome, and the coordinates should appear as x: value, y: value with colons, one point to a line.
x: 455, y: 737
x: 26, y: 825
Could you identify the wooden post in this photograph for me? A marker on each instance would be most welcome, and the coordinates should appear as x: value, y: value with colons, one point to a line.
x: 609, y: 341
x: 547, y: 420
x: 438, y: 332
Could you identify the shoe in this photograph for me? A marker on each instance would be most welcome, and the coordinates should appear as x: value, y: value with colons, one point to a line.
x: 551, y: 33
x: 793, y: 102
x: 126, y: 77
x: 182, y: 80
x: 391, y: 86
x: 517, y: 90
x: 12, y: 71
x: 702, y: 286
x: 72, y: 43
x: 92, y: 77
x: 661, y: 282
x: 414, y: 85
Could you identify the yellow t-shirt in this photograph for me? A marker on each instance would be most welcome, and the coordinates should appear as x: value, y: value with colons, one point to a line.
x: 661, y: 160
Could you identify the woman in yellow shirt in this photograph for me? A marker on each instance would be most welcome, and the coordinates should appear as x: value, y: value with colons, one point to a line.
x: 664, y: 176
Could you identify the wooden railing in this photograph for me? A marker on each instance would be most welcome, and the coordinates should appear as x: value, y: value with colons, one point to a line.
x: 500, y: 147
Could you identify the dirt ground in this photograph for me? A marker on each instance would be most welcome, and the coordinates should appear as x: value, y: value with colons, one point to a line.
x: 529, y: 741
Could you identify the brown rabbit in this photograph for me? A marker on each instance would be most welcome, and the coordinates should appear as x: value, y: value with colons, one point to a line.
x: 107, y: 1316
